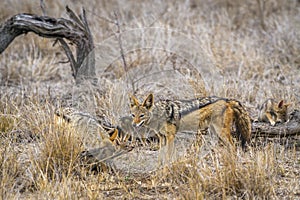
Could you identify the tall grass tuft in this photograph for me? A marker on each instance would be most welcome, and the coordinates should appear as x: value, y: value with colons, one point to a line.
x: 221, y: 174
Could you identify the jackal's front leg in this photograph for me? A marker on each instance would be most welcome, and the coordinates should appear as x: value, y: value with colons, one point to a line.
x: 271, y: 119
x: 170, y: 131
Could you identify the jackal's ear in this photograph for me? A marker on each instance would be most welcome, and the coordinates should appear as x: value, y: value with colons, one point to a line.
x: 280, y: 104
x: 133, y: 101
x: 148, y: 102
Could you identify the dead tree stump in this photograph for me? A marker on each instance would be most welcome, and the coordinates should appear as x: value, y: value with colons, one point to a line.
x: 75, y: 29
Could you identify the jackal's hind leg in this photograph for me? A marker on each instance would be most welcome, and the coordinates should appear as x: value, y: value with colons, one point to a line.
x: 222, y: 129
x: 227, y: 124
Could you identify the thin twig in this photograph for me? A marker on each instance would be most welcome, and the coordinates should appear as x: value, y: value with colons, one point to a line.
x: 119, y: 33
x: 120, y: 42
x: 43, y: 7
x: 261, y: 8
x: 102, y: 18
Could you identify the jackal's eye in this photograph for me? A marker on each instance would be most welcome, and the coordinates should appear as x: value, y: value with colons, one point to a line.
x: 132, y: 115
x: 142, y: 115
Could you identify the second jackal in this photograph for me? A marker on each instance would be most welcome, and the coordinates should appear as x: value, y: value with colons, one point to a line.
x: 273, y: 112
x: 166, y: 117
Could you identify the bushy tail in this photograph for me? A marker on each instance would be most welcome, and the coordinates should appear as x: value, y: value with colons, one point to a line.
x: 242, y: 123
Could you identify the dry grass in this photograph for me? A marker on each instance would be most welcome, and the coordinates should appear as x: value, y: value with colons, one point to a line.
x: 244, y: 50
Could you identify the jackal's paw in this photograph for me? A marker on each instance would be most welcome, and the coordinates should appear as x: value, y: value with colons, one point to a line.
x: 273, y: 123
x: 154, y: 148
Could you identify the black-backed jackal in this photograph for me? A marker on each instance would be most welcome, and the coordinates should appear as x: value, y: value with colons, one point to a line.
x: 273, y: 112
x: 166, y: 117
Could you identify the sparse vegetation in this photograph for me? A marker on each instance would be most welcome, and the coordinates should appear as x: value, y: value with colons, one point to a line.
x: 247, y: 50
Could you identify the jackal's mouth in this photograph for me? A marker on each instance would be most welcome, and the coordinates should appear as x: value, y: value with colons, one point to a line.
x: 139, y: 124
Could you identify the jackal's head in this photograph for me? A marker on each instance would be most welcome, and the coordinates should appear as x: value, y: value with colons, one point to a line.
x: 281, y: 111
x: 141, y: 113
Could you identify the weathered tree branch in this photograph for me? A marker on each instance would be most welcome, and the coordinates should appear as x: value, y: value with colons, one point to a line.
x: 75, y: 29
x: 291, y: 128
